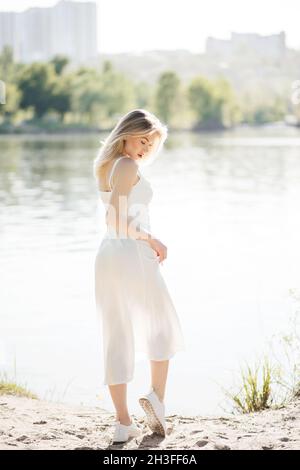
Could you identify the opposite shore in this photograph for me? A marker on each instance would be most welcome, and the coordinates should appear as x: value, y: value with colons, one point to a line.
x: 59, y: 128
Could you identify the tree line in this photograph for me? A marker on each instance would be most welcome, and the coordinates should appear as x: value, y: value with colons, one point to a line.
x: 95, y: 96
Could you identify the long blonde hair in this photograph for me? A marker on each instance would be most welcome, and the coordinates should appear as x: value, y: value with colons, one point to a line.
x: 135, y: 122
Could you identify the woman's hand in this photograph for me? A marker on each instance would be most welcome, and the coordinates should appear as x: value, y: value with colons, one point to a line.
x: 159, y: 247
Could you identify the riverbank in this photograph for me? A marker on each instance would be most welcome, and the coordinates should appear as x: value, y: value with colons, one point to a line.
x: 27, y: 423
x: 54, y: 127
x: 48, y: 128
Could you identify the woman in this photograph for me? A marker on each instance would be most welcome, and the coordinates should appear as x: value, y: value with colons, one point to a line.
x: 132, y: 298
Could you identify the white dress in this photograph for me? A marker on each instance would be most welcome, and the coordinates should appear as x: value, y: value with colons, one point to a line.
x: 132, y: 299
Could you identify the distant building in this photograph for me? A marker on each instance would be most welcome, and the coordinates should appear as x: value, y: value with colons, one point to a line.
x: 37, y: 34
x: 272, y: 46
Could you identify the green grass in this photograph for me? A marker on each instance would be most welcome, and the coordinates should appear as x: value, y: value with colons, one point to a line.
x: 266, y: 386
x: 256, y: 392
x: 10, y: 387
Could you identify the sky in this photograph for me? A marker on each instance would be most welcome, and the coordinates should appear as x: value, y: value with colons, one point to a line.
x: 139, y: 25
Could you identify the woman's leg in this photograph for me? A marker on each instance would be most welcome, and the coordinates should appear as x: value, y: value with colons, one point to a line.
x: 159, y: 372
x: 119, y: 397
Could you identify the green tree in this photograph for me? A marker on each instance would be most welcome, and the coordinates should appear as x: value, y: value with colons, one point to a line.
x: 87, y: 96
x: 7, y: 64
x: 202, y: 102
x: 229, y: 112
x: 61, y: 96
x: 59, y: 62
x: 213, y: 103
x: 100, y: 96
x: 117, y: 91
x: 8, y: 75
x: 12, y: 100
x: 143, y: 94
x: 36, y: 84
x: 260, y: 106
x: 167, y: 95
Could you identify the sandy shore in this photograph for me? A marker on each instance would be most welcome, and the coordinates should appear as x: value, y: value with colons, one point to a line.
x: 36, y: 424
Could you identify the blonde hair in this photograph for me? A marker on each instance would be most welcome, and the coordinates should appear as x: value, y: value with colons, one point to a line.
x: 134, y: 123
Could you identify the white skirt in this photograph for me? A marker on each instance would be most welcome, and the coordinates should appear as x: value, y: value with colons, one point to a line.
x: 134, y: 306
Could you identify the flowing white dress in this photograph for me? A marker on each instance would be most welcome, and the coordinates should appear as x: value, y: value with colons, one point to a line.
x: 132, y: 300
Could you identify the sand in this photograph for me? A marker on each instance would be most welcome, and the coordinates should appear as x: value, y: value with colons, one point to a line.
x: 26, y: 423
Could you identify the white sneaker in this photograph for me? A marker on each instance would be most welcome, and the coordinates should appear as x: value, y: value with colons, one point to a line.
x: 155, y: 411
x: 123, y: 432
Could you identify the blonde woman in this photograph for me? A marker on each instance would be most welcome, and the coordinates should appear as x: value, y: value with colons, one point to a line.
x: 132, y: 298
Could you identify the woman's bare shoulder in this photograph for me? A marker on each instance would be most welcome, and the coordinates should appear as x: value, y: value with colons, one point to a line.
x: 126, y: 170
x: 128, y: 164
